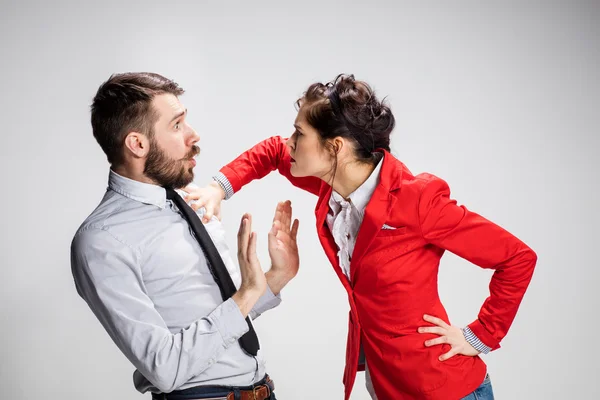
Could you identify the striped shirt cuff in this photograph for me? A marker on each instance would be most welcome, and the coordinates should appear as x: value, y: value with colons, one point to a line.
x: 474, y: 341
x: 224, y: 183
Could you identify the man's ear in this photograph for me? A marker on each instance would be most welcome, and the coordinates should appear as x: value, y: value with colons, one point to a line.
x: 137, y: 144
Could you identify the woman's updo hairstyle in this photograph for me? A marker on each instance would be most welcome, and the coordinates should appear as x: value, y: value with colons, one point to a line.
x: 348, y: 108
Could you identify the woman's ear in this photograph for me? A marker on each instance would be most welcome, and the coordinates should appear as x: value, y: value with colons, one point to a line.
x: 337, y: 145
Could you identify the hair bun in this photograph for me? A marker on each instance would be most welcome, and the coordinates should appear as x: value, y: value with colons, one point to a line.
x: 371, y: 120
x: 383, y: 119
x: 348, y: 108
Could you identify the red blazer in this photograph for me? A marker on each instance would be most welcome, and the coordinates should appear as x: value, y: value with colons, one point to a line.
x: 394, y: 275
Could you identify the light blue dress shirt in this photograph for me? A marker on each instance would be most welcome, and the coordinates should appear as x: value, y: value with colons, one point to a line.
x: 137, y: 264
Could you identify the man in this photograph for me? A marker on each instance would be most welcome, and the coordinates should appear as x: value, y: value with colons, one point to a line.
x: 162, y: 284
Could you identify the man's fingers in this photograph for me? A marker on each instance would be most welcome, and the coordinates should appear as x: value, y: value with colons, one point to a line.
x: 283, y: 237
x: 287, y: 215
x: 240, y: 229
x: 276, y: 227
x: 243, y: 237
x: 247, y: 234
x: 294, y: 233
x: 277, y: 210
x: 252, y: 247
x: 240, y: 236
x: 283, y: 214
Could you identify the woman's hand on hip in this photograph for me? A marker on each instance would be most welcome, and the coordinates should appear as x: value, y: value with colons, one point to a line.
x: 448, y: 334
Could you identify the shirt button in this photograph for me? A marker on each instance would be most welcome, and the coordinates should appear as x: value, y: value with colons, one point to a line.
x: 232, y: 340
x: 211, y: 361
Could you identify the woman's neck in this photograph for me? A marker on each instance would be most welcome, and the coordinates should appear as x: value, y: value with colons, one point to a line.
x: 350, y: 177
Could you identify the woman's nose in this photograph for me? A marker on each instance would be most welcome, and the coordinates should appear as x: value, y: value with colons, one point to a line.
x: 289, y: 144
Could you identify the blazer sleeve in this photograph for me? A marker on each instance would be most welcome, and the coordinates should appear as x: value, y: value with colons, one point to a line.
x: 267, y: 156
x: 474, y: 238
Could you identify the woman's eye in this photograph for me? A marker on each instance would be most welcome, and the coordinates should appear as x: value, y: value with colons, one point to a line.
x: 177, y: 126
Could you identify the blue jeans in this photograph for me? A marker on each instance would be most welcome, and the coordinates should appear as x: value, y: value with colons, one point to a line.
x: 212, y: 392
x: 483, y: 392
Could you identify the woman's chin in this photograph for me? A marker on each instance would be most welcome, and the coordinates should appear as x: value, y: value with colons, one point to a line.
x: 295, y: 171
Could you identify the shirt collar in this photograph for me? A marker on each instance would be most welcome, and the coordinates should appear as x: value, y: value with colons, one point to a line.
x: 361, y: 196
x: 146, y: 193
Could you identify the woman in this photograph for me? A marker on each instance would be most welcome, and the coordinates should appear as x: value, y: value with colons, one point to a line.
x: 384, y: 231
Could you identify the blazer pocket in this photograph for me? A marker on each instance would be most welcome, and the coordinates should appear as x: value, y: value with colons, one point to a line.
x: 392, y: 232
x: 405, y: 352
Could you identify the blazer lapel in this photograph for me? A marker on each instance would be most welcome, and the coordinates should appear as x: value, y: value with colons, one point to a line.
x: 378, y: 209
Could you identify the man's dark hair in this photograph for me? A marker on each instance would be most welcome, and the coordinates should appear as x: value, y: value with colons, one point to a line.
x: 124, y: 104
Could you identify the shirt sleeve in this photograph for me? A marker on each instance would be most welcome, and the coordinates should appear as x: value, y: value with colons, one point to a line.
x: 266, y: 302
x: 217, y: 233
x: 108, y: 277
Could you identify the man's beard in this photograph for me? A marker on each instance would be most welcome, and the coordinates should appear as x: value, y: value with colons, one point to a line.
x: 166, y: 171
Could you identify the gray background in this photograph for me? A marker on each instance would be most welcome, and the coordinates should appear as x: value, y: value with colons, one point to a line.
x: 500, y: 100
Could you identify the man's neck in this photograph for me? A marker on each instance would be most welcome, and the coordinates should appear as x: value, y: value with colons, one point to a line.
x: 132, y: 174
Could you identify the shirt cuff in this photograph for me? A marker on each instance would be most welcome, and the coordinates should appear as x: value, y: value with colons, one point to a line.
x: 266, y: 302
x: 225, y: 184
x: 229, y: 321
x: 474, y: 341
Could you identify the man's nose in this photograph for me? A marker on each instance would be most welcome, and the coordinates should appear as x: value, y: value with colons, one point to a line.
x: 194, y: 137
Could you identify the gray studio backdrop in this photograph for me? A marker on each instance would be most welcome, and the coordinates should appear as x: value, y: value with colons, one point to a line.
x: 500, y: 100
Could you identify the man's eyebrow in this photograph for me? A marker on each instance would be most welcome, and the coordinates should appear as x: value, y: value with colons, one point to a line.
x: 178, y: 115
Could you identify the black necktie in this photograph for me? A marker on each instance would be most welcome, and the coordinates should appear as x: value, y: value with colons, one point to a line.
x: 249, y: 341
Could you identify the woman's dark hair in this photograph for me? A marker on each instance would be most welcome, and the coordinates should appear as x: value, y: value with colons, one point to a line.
x: 348, y: 108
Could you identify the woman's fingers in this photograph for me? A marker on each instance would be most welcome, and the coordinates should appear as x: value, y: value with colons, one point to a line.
x: 436, y: 321
x: 449, y: 354
x: 436, y: 341
x: 432, y: 329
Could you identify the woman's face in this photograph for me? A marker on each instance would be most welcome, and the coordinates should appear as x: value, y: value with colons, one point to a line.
x: 309, y: 156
